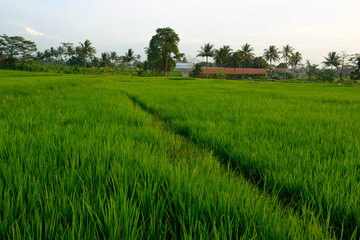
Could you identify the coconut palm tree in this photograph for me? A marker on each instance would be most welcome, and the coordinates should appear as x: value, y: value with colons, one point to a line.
x: 286, y: 53
x: 247, y: 55
x: 60, y: 50
x: 47, y: 55
x: 145, y: 66
x: 295, y: 59
x: 311, y: 69
x: 223, y: 56
x: 114, y: 57
x: 69, y: 49
x: 128, y: 57
x: 206, y: 51
x: 271, y: 54
x: 40, y: 56
x: 87, y: 50
x: 105, y: 60
x: 236, y: 59
x: 53, y: 53
x: 332, y: 60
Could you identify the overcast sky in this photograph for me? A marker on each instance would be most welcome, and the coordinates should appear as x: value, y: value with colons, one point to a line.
x: 312, y: 27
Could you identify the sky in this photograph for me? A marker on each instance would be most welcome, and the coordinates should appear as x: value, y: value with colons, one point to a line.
x: 312, y: 27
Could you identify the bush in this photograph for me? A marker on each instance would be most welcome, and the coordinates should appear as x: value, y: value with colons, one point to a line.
x: 326, y: 75
x: 197, y: 71
x: 221, y: 75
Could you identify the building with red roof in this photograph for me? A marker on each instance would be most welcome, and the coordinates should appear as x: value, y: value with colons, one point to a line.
x: 247, y: 71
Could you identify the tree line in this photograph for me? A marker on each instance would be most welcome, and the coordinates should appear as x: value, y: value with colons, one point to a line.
x: 162, y: 54
x: 287, y: 57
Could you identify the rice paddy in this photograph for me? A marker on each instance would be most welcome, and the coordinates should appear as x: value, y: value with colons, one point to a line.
x: 89, y: 157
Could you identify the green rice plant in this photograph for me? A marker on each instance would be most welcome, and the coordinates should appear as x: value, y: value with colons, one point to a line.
x: 78, y: 160
x: 299, y: 140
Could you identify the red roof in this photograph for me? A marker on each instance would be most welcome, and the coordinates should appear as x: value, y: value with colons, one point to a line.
x: 215, y: 70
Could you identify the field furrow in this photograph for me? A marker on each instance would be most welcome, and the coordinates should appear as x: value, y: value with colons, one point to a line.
x: 300, y: 141
x: 84, y: 162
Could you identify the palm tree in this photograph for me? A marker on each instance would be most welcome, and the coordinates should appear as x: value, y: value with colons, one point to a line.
x: 47, y: 55
x: 87, y: 50
x: 247, y: 55
x: 217, y: 58
x: 105, y: 60
x: 40, y: 56
x: 53, y: 53
x: 114, y: 57
x: 286, y: 53
x: 128, y: 57
x: 236, y: 59
x: 271, y: 54
x: 333, y: 60
x: 78, y: 50
x: 260, y: 62
x: 206, y: 51
x: 69, y: 49
x: 311, y: 69
x: 60, y: 50
x: 295, y: 59
x: 223, y: 56
x: 145, y: 66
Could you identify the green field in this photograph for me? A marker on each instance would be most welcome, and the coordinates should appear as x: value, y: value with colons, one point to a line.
x: 93, y: 157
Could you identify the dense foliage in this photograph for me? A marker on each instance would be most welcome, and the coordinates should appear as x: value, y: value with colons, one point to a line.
x: 162, y: 55
x: 15, y: 50
x: 163, y: 50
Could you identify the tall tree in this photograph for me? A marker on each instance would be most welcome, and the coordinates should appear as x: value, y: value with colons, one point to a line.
x: 114, y: 57
x: 60, y: 51
x: 53, y: 53
x: 40, y: 56
x: 332, y: 60
x: 87, y: 50
x: 154, y: 57
x: 247, y: 55
x: 355, y: 74
x: 129, y: 57
x: 47, y: 55
x: 206, y: 51
x: 260, y: 62
x: 145, y: 66
x: 311, y: 69
x: 223, y: 56
x: 271, y: 54
x: 286, y: 53
x: 344, y: 57
x: 105, y: 60
x: 17, y: 47
x: 236, y: 59
x: 69, y: 49
x: 295, y: 59
x: 166, y: 43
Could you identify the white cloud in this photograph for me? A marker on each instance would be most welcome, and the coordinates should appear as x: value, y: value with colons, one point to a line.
x: 33, y: 32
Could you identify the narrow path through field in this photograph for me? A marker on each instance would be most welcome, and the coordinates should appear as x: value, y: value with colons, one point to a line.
x: 221, y: 157
x: 287, y: 204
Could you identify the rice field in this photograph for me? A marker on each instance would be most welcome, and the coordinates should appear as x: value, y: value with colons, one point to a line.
x: 94, y: 157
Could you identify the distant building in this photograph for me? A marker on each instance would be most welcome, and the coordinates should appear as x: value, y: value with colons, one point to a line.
x: 247, y: 71
x: 184, y: 67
